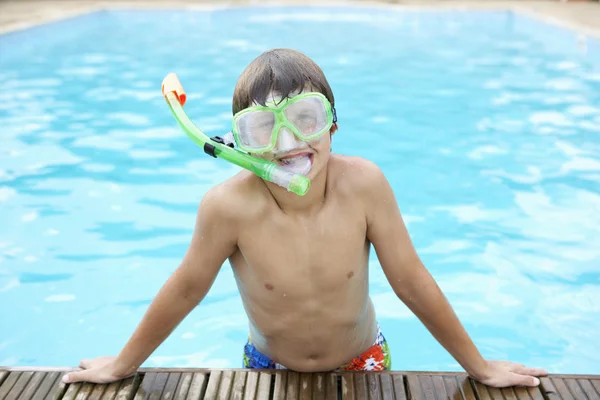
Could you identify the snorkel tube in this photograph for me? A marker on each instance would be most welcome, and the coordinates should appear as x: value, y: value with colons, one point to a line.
x: 176, y: 97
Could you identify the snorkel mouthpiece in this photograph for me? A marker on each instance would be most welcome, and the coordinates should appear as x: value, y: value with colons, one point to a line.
x: 299, y: 185
x: 295, y: 183
x: 175, y: 96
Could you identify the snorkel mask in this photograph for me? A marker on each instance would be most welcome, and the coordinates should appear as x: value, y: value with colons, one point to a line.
x: 175, y: 96
x: 308, y: 116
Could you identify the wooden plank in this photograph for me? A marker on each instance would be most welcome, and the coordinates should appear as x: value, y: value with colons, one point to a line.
x: 575, y: 389
x: 361, y: 386
x: 19, y: 386
x: 8, y: 384
x: 481, y: 391
x: 198, y: 386
x: 32, y: 385
x: 145, y: 388
x: 49, y: 381
x: 239, y: 382
x: 212, y: 388
x: 414, y: 387
x: 57, y: 390
x: 399, y: 387
x: 305, y: 386
x: 225, y: 385
x: 110, y: 391
x: 128, y: 387
x: 508, y: 393
x: 427, y: 386
x: 549, y: 389
x: 293, y: 386
x: 183, y: 386
x: 348, y: 389
x: 535, y: 393
x: 3, y: 375
x: 264, y: 386
x: 97, y: 392
x: 387, y: 387
x: 562, y: 388
x: 171, y: 386
x: 85, y: 390
x: 596, y: 384
x: 574, y: 376
x: 158, y: 386
x: 374, y: 385
x: 465, y: 386
x: 523, y: 393
x: 589, y: 390
x: 251, y: 385
x: 331, y: 386
x: 318, y: 387
x: 495, y: 393
x: 439, y: 386
x: 151, y: 386
x: 451, y: 387
x: 72, y: 390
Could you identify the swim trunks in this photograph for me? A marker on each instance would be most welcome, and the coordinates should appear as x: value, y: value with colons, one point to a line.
x: 375, y: 358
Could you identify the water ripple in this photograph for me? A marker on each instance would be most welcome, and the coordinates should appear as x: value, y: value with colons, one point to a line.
x: 491, y: 146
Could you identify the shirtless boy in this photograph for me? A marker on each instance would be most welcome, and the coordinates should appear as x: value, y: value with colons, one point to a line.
x: 301, y: 262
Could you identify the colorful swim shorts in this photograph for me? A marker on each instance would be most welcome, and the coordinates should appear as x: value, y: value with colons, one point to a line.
x: 376, y: 358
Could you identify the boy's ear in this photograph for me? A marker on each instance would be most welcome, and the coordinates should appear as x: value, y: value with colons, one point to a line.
x: 333, y: 128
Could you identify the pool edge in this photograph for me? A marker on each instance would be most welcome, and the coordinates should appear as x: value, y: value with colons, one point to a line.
x: 537, y: 10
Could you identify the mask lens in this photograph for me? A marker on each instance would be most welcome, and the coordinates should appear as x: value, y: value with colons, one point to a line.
x: 307, y: 115
x: 255, y: 128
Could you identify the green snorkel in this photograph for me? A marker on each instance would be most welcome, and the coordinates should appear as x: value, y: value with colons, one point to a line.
x: 176, y: 97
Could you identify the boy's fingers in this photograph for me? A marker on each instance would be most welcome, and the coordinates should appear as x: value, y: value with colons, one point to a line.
x: 523, y: 370
x: 535, y: 371
x: 79, y: 376
x: 525, y: 380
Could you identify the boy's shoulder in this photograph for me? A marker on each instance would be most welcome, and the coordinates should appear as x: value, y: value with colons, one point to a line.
x: 355, y: 174
x: 240, y: 195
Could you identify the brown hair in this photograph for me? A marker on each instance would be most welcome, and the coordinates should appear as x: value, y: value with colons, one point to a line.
x: 281, y: 70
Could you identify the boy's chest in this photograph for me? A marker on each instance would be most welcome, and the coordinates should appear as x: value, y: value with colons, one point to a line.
x: 326, y: 248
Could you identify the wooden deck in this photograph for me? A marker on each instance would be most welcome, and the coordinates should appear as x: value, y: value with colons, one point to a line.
x: 242, y: 384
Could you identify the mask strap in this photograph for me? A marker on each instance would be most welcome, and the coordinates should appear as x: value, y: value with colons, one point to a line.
x: 227, y: 140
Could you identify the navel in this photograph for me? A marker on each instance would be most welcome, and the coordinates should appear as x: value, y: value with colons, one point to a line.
x: 350, y: 274
x: 268, y: 286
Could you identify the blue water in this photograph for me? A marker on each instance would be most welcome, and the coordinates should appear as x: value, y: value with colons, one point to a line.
x: 487, y: 128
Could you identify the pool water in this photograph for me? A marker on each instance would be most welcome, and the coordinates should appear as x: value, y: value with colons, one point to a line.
x: 487, y: 125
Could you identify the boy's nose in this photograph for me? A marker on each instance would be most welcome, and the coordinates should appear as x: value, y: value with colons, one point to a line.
x: 286, y: 140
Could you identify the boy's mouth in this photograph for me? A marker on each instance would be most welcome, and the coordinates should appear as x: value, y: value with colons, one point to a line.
x: 300, y: 163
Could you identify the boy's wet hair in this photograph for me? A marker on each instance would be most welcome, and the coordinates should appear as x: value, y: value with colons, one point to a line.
x: 280, y: 70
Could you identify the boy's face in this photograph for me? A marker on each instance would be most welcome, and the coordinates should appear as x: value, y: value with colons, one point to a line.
x: 308, y: 158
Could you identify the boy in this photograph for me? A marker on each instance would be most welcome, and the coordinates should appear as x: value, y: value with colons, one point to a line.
x: 301, y: 262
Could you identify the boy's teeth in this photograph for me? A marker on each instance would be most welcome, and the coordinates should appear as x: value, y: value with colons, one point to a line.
x: 298, y: 165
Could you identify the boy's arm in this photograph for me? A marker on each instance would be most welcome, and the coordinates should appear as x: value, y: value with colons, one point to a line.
x: 213, y: 241
x: 415, y: 286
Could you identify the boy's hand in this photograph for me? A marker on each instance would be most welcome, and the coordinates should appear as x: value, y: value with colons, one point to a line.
x: 506, y: 373
x: 97, y: 370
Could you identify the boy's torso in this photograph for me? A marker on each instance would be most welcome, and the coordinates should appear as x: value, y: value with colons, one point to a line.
x: 304, y: 278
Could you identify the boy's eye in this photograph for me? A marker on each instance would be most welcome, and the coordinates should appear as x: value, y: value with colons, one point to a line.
x: 305, y: 119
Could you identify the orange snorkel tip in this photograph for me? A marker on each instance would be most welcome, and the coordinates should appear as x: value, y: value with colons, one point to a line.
x: 171, y: 84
